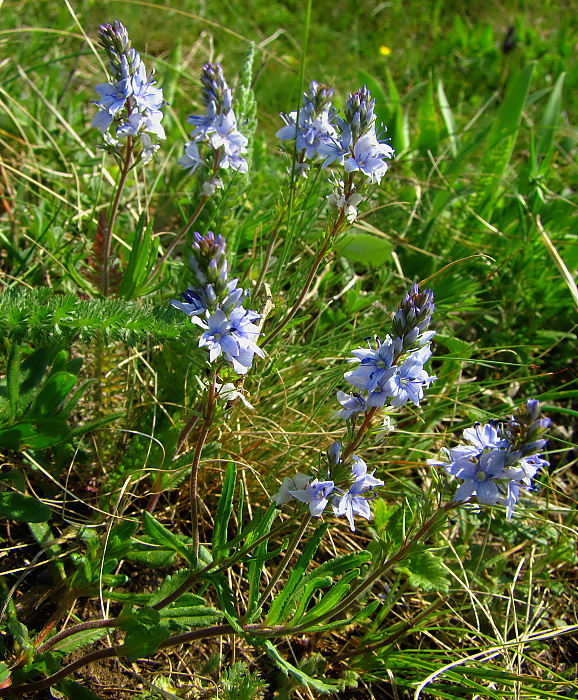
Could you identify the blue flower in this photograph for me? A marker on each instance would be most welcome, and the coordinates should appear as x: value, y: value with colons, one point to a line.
x: 216, y: 128
x: 130, y: 102
x: 217, y: 337
x: 352, y: 403
x: 315, y: 494
x: 359, y: 473
x: 408, y: 383
x: 479, y: 476
x: 375, y: 365
x: 368, y: 157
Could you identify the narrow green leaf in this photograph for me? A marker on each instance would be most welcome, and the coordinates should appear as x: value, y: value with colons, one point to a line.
x: 224, y: 508
x: 79, y: 640
x: 52, y: 394
x: 139, y: 264
x: 429, y: 133
x: 277, y: 611
x: 162, y: 536
x: 331, y: 599
x: 301, y: 676
x: 502, y: 138
x: 13, y: 379
x: 548, y: 126
x: 448, y: 117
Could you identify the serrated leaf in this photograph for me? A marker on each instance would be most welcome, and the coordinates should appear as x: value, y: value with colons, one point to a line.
x: 16, y: 506
x: 79, y: 640
x: 227, y: 602
x: 191, y: 616
x: 142, y: 640
x: 426, y: 571
x: 170, y: 584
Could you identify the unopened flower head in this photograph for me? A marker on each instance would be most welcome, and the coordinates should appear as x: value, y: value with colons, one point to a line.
x: 414, y: 316
x: 215, y: 90
x: 359, y: 112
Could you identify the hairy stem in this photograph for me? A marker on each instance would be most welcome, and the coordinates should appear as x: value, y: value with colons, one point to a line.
x: 194, y: 482
x: 360, y: 433
x: 104, y: 281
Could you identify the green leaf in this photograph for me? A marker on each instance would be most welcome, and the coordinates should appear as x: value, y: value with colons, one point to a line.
x: 79, y: 640
x: 23, y: 508
x: 141, y: 260
x: 397, y: 127
x: 448, y: 117
x: 277, y: 611
x: 227, y: 602
x: 426, y: 571
x: 142, y: 640
x: 13, y: 379
x: 502, y: 138
x: 427, y: 119
x: 548, y: 126
x: 362, y: 614
x: 188, y: 616
x: 4, y: 672
x: 366, y: 248
x: 170, y: 584
x: 37, y: 435
x: 75, y: 691
x: 52, y: 394
x: 301, y: 676
x: 224, y: 508
x: 331, y: 599
x: 164, y: 537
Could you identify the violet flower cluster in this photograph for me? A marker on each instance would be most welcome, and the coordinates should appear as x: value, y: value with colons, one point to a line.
x: 392, y: 369
x: 499, y: 459
x: 215, y: 304
x: 217, y: 128
x: 129, y: 105
x: 347, y: 489
x: 352, y: 142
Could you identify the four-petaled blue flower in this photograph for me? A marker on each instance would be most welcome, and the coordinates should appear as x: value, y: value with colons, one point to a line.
x: 316, y: 495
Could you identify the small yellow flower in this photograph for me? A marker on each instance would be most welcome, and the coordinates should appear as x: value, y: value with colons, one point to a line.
x: 384, y: 50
